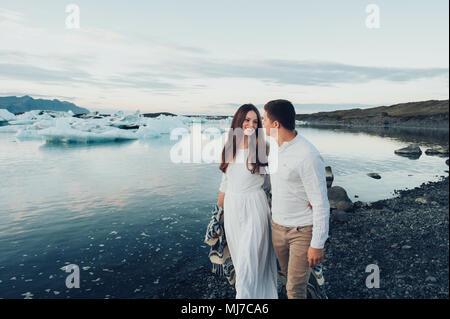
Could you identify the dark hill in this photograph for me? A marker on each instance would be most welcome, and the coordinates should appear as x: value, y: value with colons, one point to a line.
x: 426, y: 114
x: 26, y: 103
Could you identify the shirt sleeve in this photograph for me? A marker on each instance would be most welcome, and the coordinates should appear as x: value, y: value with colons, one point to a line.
x: 223, y: 183
x: 312, y: 173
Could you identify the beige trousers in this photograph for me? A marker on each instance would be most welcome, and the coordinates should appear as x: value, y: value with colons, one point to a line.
x: 291, y: 246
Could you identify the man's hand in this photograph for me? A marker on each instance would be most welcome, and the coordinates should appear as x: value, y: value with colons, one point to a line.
x: 315, y: 256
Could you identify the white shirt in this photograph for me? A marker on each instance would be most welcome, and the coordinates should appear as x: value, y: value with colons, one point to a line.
x: 299, y: 180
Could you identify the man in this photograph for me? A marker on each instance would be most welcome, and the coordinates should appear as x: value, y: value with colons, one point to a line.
x: 300, y: 207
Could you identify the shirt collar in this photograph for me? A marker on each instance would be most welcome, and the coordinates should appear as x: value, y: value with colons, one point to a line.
x: 291, y: 142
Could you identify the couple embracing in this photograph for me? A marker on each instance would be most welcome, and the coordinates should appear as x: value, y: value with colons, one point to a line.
x: 294, y: 229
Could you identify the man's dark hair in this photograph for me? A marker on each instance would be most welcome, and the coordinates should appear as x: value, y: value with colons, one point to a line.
x: 282, y: 111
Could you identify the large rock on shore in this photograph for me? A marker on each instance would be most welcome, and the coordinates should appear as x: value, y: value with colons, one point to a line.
x: 411, y: 151
x: 339, y: 199
x: 340, y: 216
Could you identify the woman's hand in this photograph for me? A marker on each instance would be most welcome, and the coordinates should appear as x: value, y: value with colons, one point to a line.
x: 220, y: 199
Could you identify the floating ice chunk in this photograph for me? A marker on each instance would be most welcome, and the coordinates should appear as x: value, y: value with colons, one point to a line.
x: 11, y: 128
x: 26, y: 118
x: 5, y: 115
x: 63, y: 127
x: 164, y: 124
x: 63, y: 132
x: 145, y: 132
x: 31, y: 131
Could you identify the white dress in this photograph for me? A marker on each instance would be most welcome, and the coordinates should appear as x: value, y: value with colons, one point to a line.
x: 247, y: 229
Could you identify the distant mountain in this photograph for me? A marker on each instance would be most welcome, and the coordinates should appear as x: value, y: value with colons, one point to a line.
x: 26, y: 103
x: 425, y: 114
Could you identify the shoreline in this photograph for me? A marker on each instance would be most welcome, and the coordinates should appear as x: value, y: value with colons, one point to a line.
x: 327, y: 125
x: 406, y: 236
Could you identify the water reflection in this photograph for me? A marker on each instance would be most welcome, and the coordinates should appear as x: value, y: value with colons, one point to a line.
x: 426, y: 136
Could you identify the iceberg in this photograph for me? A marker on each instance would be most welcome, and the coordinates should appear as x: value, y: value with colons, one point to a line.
x: 65, y: 131
x: 65, y: 127
x: 6, y: 116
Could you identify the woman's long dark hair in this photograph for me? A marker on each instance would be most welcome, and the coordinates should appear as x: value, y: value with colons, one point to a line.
x: 236, y: 139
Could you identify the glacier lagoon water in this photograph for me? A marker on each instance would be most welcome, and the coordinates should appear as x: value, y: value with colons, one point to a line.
x: 134, y: 222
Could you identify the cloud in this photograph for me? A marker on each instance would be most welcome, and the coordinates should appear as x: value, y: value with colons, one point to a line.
x: 38, y: 74
x: 138, y: 81
x: 310, y: 73
x: 10, y: 15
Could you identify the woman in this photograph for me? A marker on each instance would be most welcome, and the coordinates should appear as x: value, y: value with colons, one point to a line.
x: 246, y: 209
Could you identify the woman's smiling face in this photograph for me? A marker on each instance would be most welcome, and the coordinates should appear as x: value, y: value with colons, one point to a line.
x: 250, y: 124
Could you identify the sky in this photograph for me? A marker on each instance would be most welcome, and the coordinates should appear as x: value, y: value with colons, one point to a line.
x: 209, y: 57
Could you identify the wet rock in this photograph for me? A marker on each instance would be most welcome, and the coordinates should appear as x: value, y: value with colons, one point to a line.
x: 339, y: 199
x: 412, y: 151
x: 440, y: 150
x: 374, y: 175
x: 421, y: 200
x: 431, y: 279
x: 359, y: 204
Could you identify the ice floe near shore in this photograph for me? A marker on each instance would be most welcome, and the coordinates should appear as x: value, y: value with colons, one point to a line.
x: 65, y: 127
x: 5, y: 115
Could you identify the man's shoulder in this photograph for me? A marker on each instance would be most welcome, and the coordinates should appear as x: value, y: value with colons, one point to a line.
x: 305, y: 148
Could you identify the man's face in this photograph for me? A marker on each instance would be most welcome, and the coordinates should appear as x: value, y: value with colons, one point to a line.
x: 269, y: 125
